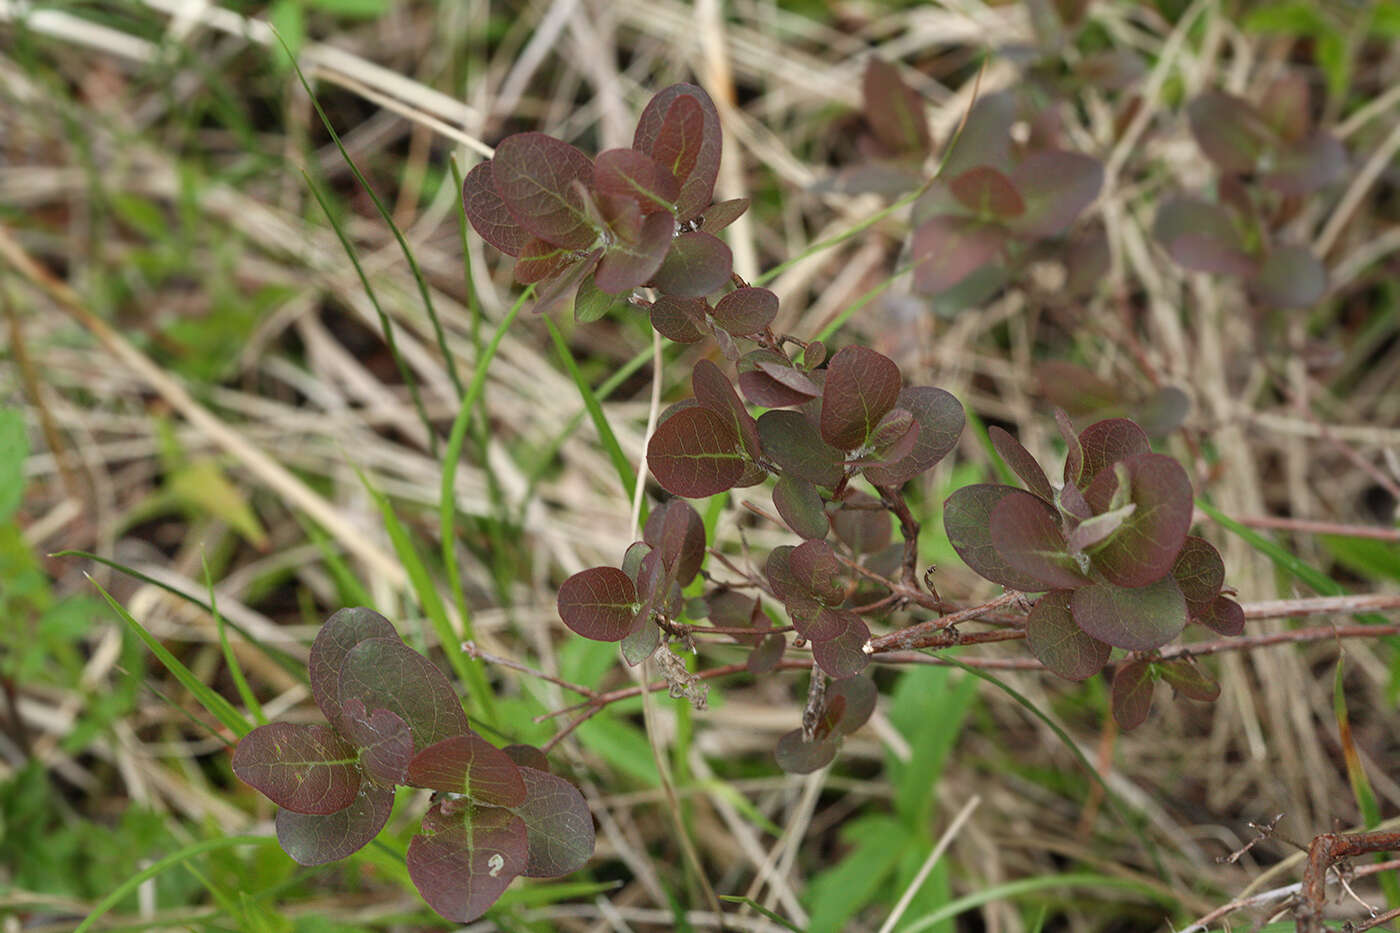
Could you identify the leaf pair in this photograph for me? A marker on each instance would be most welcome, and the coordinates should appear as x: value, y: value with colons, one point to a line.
x: 812, y: 584
x: 395, y: 719
x: 1110, y: 546
x: 849, y: 702
x: 593, y: 230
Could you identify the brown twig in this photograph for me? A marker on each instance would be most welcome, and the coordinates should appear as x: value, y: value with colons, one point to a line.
x: 1327, y: 850
x: 1308, y: 526
x: 1277, y: 894
x: 930, y: 632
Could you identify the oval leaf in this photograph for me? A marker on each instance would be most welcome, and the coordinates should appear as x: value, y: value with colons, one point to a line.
x: 384, y: 740
x: 315, y: 839
x: 598, y: 603
x: 1146, y: 545
x: 792, y: 442
x: 626, y: 265
x: 690, y: 149
x: 967, y: 520
x: 1290, y: 277
x: 766, y: 656
x: 746, y: 311
x: 696, y: 265
x: 305, y: 768
x: 385, y: 673
x: 1190, y: 681
x: 1132, y: 694
x: 894, y: 111
x: 678, y: 533
x: 488, y: 214
x: 1058, y: 643
x: 947, y: 249
x: 341, y: 632
x: 542, y: 182
x: 463, y: 860
x: 859, y: 696
x: 558, y: 825
x: 844, y: 655
x: 679, y: 319
x: 1106, y: 442
x: 797, y: 756
x: 471, y: 766
x: 1224, y: 617
x: 801, y: 506
x: 1026, y: 530
x: 940, y: 419
x: 696, y: 453
x: 631, y: 174
x: 1057, y: 186
x: 987, y: 192
x: 861, y: 387
x: 1021, y: 462
x: 1200, y: 573
x: 1138, y: 618
x: 714, y: 391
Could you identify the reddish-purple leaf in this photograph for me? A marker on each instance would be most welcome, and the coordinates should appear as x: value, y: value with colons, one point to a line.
x: 542, y: 182
x: 628, y: 173
x: 626, y: 265
x: 541, y: 259
x: 1106, y: 442
x: 383, y: 738
x: 1138, y: 618
x: 559, y: 291
x: 1286, y: 106
x: 1026, y: 530
x: 1132, y: 694
x: 790, y: 378
x: 643, y: 640
x: 985, y: 138
x: 1058, y: 643
x: 761, y: 384
x: 734, y: 609
x: 1021, y: 462
x: 967, y: 520
x: 1113, y: 70
x: 988, y: 193
x: 844, y: 655
x: 893, y: 110
x: 815, y: 622
x: 861, y: 386
x: 527, y: 756
x: 1098, y: 528
x: 1224, y: 616
x: 746, y: 311
x: 1307, y: 166
x: 723, y: 213
x: 306, y: 768
x: 859, y: 696
x: 558, y: 825
x: 678, y: 533
x: 947, y: 249
x: 315, y: 839
x: 940, y: 418
x: 488, y: 214
x: 1202, y: 237
x: 1163, y: 411
x: 816, y: 569
x: 1056, y: 187
x: 666, y: 131
x: 864, y: 530
x: 796, y: 756
x: 714, y: 391
x: 766, y: 656
x: 465, y: 858
x: 679, y: 319
x: 1087, y: 261
x: 384, y: 673
x: 1229, y: 131
x: 696, y: 265
x: 801, y: 506
x: 793, y: 442
x: 1200, y: 573
x: 471, y: 766
x: 696, y: 453
x: 894, y: 436
x: 341, y: 632
x: 598, y: 603
x: 1146, y: 545
x: 1290, y: 277
x: 1190, y: 681
x: 1074, y: 459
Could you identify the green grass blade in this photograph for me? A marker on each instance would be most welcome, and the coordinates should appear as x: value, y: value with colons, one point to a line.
x: 351, y: 589
x: 1289, y: 563
x: 1026, y: 886
x: 217, y: 706
x: 385, y: 324
x: 388, y: 220
x: 469, y: 670
x: 175, y: 858
x: 250, y: 701
x: 755, y: 905
x: 606, y: 437
x: 279, y: 657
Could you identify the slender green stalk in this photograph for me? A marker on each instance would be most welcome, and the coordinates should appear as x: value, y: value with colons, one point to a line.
x: 250, y: 700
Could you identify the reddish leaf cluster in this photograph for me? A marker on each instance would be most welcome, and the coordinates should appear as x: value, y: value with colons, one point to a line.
x: 1276, y: 145
x: 1109, y: 548
x: 395, y: 719
x: 588, y: 231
